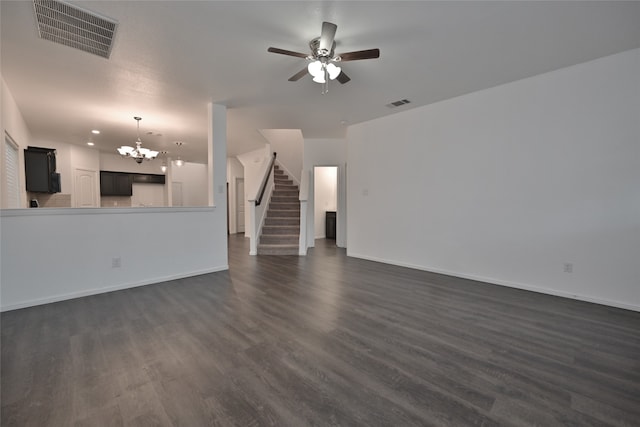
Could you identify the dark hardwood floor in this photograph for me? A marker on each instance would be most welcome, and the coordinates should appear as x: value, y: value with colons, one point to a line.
x: 320, y: 340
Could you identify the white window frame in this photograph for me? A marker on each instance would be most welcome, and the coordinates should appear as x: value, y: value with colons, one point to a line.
x: 11, y: 178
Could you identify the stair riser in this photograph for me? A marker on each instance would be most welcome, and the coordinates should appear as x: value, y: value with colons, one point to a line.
x: 271, y: 230
x: 283, y: 214
x: 285, y: 206
x: 274, y: 251
x: 282, y: 221
x: 279, y: 199
x: 279, y: 240
x: 286, y: 194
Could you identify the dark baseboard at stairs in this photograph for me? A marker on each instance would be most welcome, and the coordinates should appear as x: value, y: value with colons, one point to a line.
x: 281, y: 229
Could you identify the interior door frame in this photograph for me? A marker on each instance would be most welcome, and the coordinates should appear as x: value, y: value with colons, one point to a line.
x: 243, y: 195
x: 341, y: 232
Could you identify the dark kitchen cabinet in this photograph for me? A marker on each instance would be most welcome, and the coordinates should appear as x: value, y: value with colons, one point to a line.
x: 330, y: 225
x: 148, y: 178
x: 40, y: 170
x: 115, y: 184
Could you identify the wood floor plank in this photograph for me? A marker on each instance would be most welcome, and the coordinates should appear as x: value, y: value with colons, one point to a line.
x: 320, y: 340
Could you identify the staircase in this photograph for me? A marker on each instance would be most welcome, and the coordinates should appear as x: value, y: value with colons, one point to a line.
x: 281, y: 229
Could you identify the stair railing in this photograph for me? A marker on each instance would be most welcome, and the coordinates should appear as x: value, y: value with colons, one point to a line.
x: 257, y: 212
x: 265, y: 179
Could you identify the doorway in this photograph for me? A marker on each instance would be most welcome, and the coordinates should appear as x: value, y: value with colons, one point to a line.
x: 325, y: 201
x: 240, y: 202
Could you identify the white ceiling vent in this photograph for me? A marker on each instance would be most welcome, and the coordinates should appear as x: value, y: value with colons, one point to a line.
x: 398, y: 103
x: 72, y: 26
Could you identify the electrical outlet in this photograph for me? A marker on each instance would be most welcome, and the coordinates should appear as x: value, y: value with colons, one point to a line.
x: 116, y: 262
x: 568, y: 267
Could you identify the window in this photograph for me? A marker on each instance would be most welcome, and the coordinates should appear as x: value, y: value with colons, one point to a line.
x: 12, y: 182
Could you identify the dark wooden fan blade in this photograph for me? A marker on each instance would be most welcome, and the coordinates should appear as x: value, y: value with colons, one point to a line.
x: 342, y: 78
x: 360, y: 54
x: 287, y: 52
x: 327, y: 36
x: 300, y: 74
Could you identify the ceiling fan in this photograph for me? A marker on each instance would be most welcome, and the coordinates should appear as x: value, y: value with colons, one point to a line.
x: 322, y: 65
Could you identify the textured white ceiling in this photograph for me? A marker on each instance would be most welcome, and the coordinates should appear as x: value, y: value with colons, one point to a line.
x: 171, y: 58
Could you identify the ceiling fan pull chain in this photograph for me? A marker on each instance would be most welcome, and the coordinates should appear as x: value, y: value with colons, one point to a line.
x: 325, y: 87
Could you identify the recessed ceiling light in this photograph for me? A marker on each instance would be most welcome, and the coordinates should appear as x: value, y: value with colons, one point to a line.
x: 90, y: 143
x: 95, y: 132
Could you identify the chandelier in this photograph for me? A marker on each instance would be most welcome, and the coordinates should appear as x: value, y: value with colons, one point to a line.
x: 138, y: 154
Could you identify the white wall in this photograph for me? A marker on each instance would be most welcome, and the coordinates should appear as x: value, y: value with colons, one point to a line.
x: 54, y: 254
x: 325, y: 189
x: 13, y: 124
x: 288, y: 143
x: 234, y: 170
x: 508, y: 184
x: 327, y: 152
x: 149, y: 195
x: 193, y: 177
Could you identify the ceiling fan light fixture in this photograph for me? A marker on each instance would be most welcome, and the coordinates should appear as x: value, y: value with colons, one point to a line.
x: 333, y: 70
x: 315, y: 68
x: 319, y: 78
x: 322, y: 65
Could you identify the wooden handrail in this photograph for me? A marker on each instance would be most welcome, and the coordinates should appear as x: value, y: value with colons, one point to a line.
x: 265, y: 179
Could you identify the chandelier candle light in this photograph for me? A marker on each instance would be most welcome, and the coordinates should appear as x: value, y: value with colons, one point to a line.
x: 138, y: 154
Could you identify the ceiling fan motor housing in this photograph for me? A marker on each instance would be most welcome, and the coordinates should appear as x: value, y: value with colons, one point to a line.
x: 318, y: 53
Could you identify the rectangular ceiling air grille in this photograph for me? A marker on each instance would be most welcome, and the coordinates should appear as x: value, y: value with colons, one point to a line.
x: 398, y: 103
x: 72, y: 26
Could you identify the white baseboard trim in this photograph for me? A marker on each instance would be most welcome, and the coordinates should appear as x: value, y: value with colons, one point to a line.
x: 95, y: 291
x: 499, y: 282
